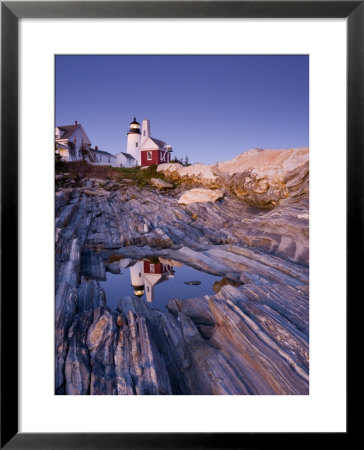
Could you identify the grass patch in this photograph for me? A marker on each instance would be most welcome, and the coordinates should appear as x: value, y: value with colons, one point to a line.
x: 141, y: 177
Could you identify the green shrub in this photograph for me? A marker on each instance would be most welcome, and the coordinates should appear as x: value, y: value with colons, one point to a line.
x: 59, y: 164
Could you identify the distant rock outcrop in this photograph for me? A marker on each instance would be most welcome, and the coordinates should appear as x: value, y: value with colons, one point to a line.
x: 199, y: 173
x: 262, y: 178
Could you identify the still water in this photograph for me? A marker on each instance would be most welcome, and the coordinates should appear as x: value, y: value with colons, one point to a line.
x: 156, y: 282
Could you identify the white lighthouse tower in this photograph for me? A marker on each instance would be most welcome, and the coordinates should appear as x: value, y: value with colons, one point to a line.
x: 133, y: 142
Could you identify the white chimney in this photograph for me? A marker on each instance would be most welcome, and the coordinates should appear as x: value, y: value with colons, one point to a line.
x: 145, y: 129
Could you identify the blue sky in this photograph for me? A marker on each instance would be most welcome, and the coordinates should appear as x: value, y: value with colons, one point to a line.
x: 210, y: 108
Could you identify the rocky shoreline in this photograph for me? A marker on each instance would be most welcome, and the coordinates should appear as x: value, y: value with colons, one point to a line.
x: 249, y: 338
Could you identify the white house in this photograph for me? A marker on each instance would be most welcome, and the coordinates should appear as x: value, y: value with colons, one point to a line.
x: 103, y: 158
x: 123, y: 159
x: 72, y: 143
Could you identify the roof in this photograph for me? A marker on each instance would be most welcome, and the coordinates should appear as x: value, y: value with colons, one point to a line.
x: 68, y: 130
x: 135, y: 122
x: 157, y: 142
x: 103, y: 152
x: 127, y: 155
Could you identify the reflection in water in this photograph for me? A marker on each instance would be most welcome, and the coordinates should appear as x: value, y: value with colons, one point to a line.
x: 156, y: 280
x: 147, y: 274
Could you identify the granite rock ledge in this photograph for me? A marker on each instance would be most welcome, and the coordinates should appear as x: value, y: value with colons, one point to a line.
x: 249, y: 338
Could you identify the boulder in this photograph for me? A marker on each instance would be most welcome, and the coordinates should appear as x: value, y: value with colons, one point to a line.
x: 200, y: 195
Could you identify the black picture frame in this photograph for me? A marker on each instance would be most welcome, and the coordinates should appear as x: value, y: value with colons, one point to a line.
x: 11, y: 12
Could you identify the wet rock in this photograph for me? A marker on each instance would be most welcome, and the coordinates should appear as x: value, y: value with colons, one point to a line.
x: 223, y: 282
x: 113, y: 267
x: 92, y: 265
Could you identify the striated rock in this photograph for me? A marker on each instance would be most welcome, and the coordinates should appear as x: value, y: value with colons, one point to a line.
x: 160, y: 184
x: 78, y: 365
x: 251, y: 337
x: 139, y: 366
x: 100, y: 342
x: 199, y: 195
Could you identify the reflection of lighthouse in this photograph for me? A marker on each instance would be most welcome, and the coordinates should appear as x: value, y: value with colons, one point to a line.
x: 146, y: 274
x: 137, y: 279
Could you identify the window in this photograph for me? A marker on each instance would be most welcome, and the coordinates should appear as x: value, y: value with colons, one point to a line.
x: 144, y: 133
x: 149, y: 156
x: 152, y: 268
x: 136, y: 144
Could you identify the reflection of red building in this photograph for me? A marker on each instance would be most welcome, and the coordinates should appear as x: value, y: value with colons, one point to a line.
x: 159, y: 268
